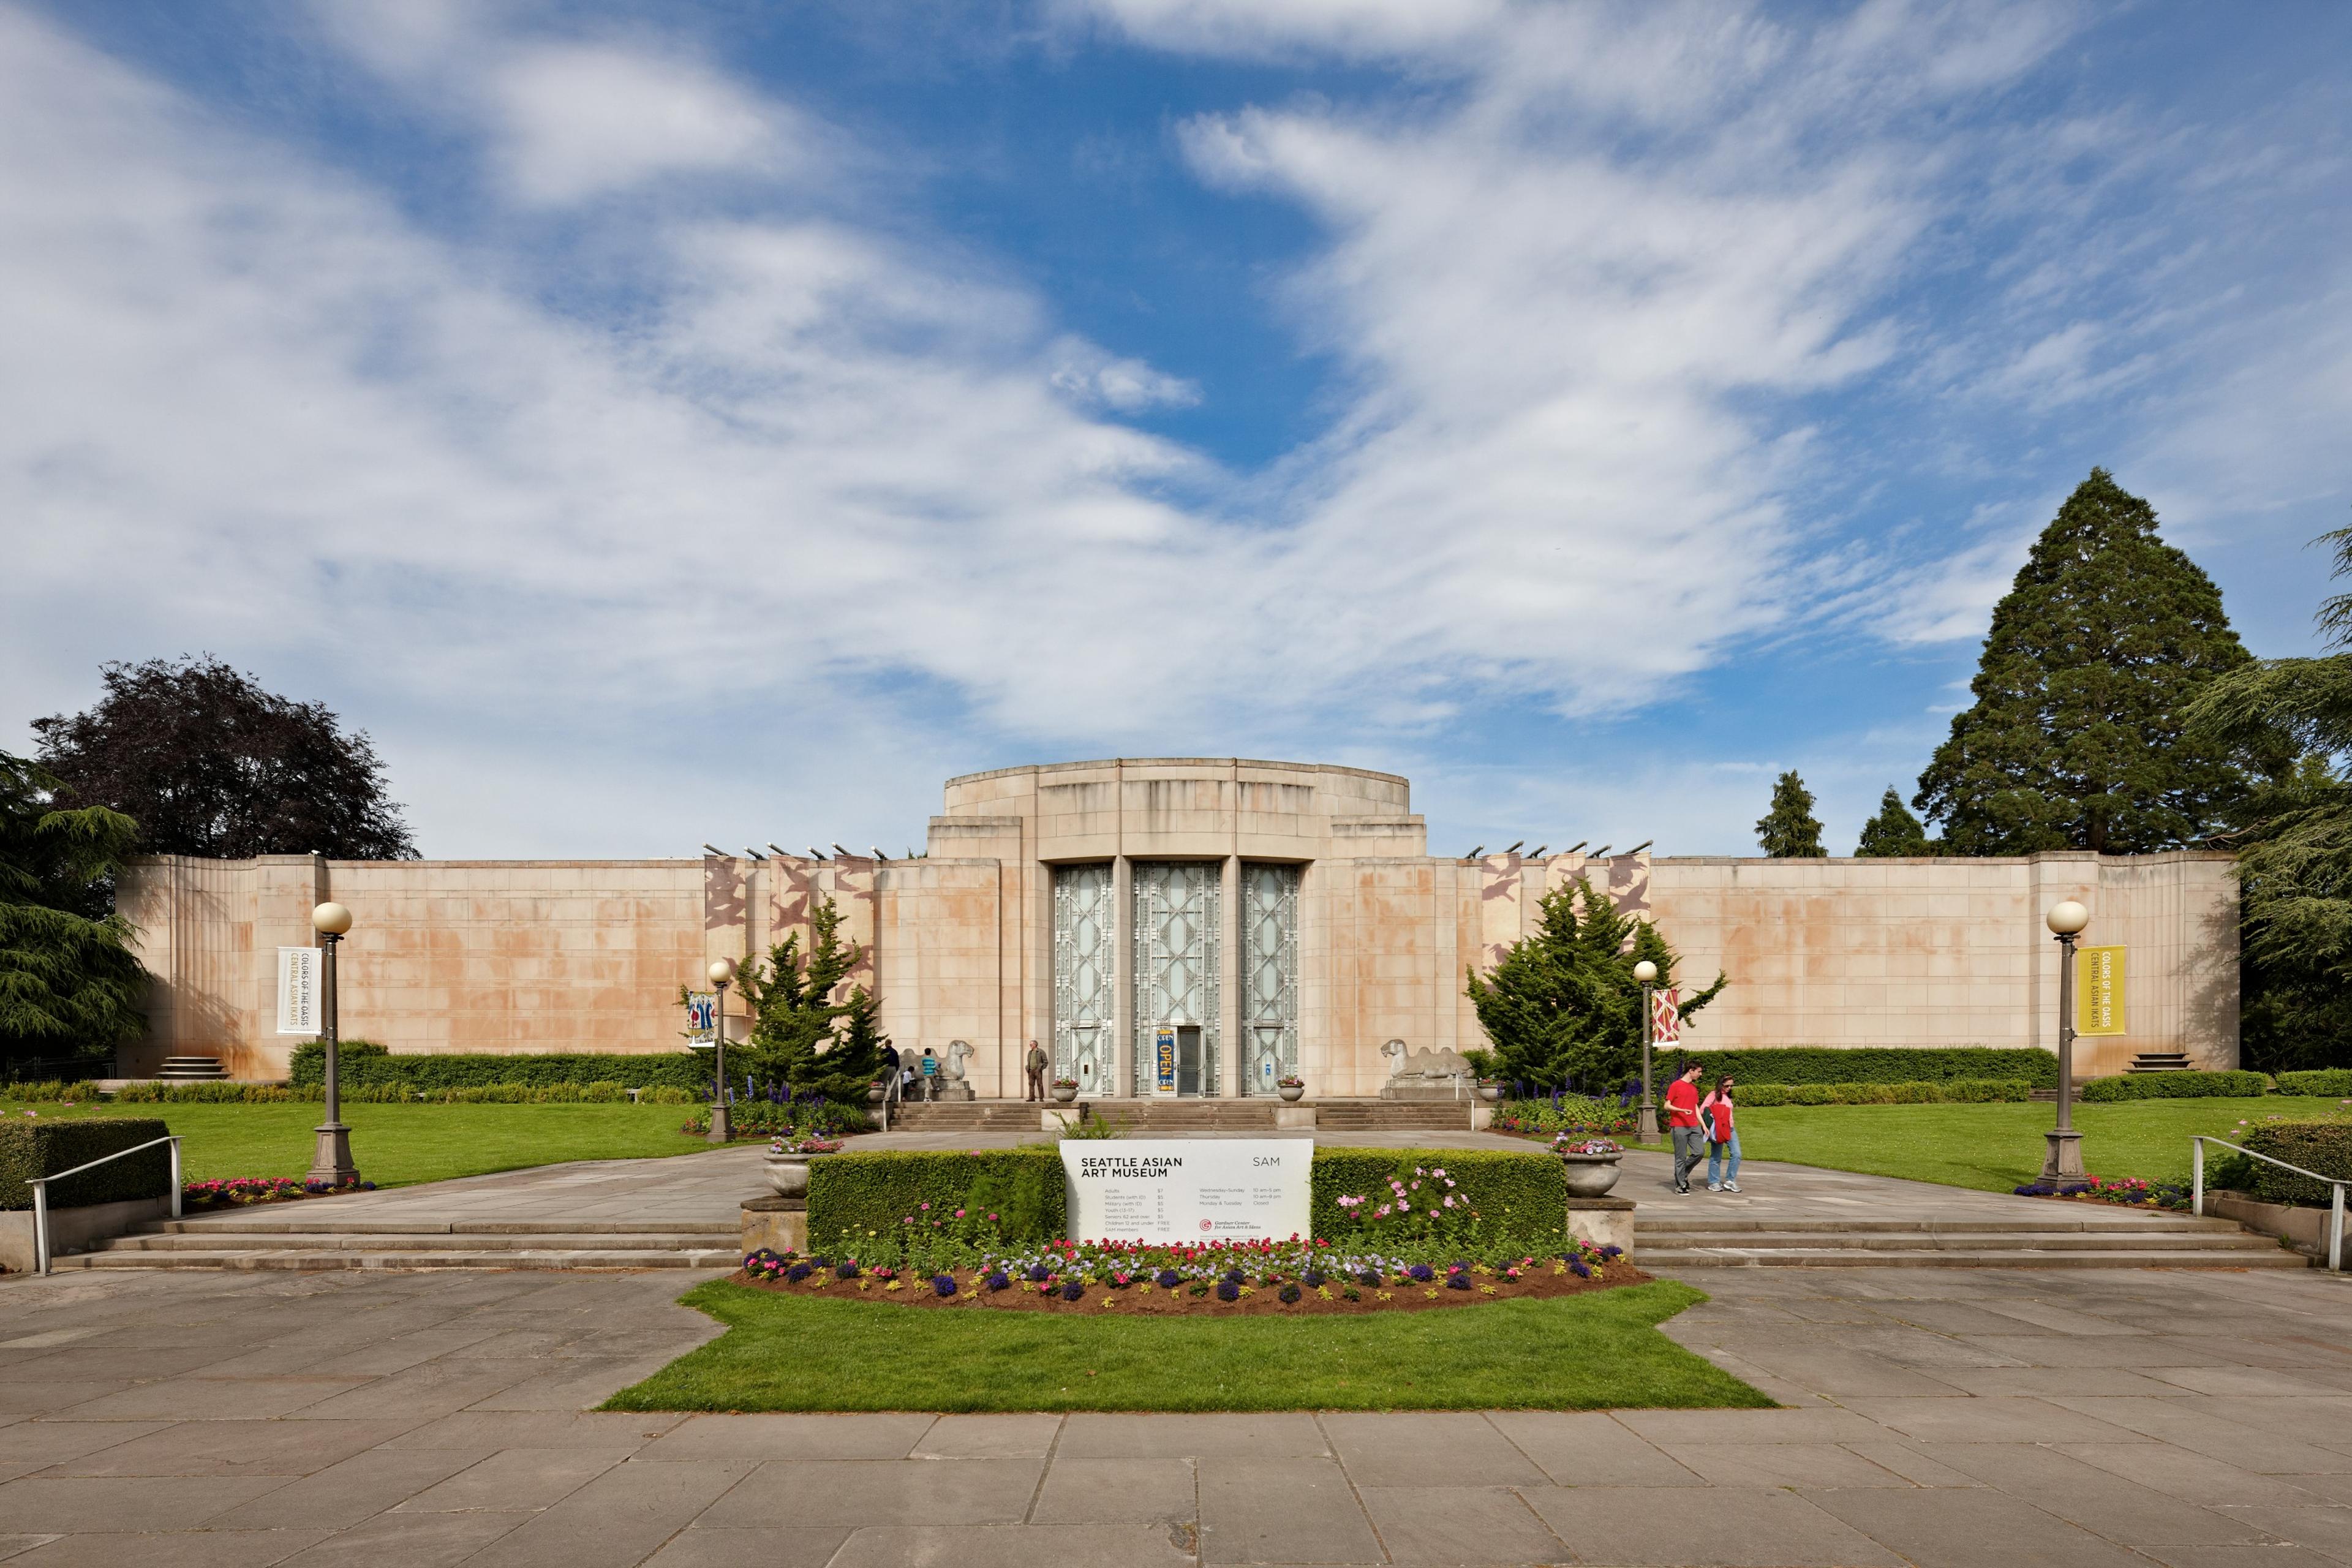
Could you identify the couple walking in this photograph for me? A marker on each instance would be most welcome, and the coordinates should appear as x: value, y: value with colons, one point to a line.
x: 1693, y: 1121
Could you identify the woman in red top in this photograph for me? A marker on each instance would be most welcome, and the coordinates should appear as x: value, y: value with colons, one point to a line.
x: 1722, y: 1139
x: 1682, y: 1125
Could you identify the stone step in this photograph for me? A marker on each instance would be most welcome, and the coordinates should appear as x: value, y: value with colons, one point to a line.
x: 301, y: 1258
x: 1668, y: 1258
x: 1923, y: 1241
x: 349, y: 1241
x: 288, y: 1220
x: 2148, y: 1225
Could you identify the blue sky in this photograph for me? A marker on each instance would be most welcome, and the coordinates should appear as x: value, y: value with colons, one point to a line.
x: 661, y: 424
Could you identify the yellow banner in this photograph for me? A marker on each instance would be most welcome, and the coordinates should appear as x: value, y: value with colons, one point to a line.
x: 2099, y: 991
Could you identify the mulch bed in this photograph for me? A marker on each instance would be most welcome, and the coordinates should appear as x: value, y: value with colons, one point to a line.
x: 1263, y: 1301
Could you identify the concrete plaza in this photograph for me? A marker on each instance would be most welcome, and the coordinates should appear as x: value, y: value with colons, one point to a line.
x: 2195, y: 1418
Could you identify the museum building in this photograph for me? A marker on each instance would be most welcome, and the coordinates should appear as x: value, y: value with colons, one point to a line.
x: 1175, y: 926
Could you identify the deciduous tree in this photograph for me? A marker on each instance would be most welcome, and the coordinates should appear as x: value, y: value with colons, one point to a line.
x: 209, y: 762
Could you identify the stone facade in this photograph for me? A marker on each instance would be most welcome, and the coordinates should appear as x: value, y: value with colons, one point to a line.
x: 1289, y: 913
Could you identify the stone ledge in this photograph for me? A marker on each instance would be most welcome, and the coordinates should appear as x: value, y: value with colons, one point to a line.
x: 74, y: 1227
x: 2302, y: 1227
x: 1603, y: 1222
x: 781, y: 1224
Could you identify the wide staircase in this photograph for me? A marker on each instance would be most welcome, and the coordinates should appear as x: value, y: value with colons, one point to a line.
x: 279, y: 1237
x: 2062, y: 1240
x: 192, y: 1069
x: 1176, y: 1117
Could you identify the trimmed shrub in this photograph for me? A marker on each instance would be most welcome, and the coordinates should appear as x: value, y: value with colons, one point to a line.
x: 1830, y: 1064
x: 1951, y: 1092
x: 1521, y: 1193
x: 2322, y: 1146
x: 29, y: 1150
x: 853, y: 1194
x: 2327, y: 1082
x: 1517, y: 1193
x: 363, y: 1063
x: 2174, y: 1086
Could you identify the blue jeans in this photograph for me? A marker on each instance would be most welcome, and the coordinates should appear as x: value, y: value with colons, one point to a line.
x: 1714, y: 1161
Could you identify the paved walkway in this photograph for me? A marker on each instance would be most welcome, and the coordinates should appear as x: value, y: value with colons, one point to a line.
x: 1933, y: 1417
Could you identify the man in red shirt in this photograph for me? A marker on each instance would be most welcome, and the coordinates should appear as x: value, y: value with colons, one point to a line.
x: 1683, y: 1126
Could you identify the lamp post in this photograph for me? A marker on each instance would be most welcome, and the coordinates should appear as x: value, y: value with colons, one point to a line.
x: 331, y: 1160
x: 2064, y: 1158
x: 1646, y: 1127
x: 722, y: 972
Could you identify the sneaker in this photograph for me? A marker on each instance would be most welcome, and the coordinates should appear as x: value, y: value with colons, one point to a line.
x: 1715, y: 1186
x: 1731, y: 1186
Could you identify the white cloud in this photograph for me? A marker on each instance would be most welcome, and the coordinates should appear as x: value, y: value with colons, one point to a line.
x: 581, y: 121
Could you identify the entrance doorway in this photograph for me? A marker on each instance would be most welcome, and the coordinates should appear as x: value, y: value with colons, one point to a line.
x: 1180, y: 1064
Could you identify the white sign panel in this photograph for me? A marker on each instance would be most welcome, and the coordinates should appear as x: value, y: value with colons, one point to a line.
x: 1189, y: 1189
x: 298, y: 990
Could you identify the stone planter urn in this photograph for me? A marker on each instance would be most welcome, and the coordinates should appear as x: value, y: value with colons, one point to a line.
x: 1065, y: 1092
x: 874, y: 1094
x: 1291, y: 1092
x: 1490, y: 1092
x: 1590, y: 1175
x: 789, y: 1173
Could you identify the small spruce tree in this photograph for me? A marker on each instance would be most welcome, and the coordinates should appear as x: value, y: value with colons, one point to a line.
x: 1894, y: 832
x: 71, y: 983
x: 2075, y: 738
x: 801, y: 1037
x: 1790, y: 831
x: 1563, y: 1007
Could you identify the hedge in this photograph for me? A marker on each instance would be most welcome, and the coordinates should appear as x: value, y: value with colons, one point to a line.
x: 29, y: 1150
x: 2322, y: 1146
x: 606, y: 1091
x: 84, y: 1092
x: 2324, y: 1082
x: 1950, y: 1091
x: 2175, y: 1086
x: 852, y: 1195
x: 1830, y: 1064
x: 365, y: 1063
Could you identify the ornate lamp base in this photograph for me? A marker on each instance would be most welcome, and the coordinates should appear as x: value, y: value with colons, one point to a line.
x: 720, y: 1131
x: 331, y: 1160
x: 2064, y: 1158
x: 1645, y: 1126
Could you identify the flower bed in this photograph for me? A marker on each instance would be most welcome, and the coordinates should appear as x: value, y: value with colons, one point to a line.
x: 1559, y: 1113
x: 1214, y: 1279
x: 2127, y: 1192
x: 241, y: 1192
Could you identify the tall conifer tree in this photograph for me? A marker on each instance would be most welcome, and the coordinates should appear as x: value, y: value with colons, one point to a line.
x: 1894, y: 832
x: 1790, y: 831
x: 2075, y: 740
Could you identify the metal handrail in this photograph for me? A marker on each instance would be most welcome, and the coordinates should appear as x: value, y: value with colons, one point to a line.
x: 2197, y: 1142
x: 41, y: 1185
x: 890, y: 1097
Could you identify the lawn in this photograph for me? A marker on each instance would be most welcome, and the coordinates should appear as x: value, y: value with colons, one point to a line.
x: 397, y: 1144
x: 1585, y: 1353
x: 1995, y: 1147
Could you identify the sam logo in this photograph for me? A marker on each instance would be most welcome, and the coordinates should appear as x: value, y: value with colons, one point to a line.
x: 1208, y: 1224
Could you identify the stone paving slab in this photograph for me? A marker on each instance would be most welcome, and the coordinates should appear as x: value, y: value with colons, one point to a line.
x: 1940, y: 1416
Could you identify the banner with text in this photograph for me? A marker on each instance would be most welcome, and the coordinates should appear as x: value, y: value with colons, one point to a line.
x: 298, y: 990
x: 1188, y: 1189
x: 2099, y: 991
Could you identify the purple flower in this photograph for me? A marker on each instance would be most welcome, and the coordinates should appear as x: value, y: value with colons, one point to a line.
x: 1228, y: 1292
x: 943, y: 1284
x: 999, y: 1280
x: 798, y: 1272
x: 1039, y: 1274
x: 1073, y: 1291
x: 1169, y: 1279
x: 846, y: 1270
x: 1422, y: 1273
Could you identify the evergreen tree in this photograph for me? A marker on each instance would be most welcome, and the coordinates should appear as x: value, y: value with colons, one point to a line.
x: 800, y: 1036
x: 2294, y: 865
x: 1790, y: 831
x: 1894, y: 832
x: 1563, y: 1004
x: 2075, y: 740
x: 69, y: 984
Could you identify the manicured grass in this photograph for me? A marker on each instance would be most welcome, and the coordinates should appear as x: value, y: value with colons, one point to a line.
x: 1585, y: 1353
x: 397, y: 1144
x: 1996, y: 1147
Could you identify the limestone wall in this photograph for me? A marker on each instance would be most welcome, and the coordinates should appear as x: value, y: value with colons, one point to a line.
x: 572, y: 955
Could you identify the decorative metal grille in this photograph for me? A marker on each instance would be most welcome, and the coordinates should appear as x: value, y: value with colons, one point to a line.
x: 1083, y: 1021
x: 1177, y: 905
x: 1270, y: 974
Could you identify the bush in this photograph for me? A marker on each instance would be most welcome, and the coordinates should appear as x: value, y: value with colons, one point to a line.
x: 1950, y: 1091
x: 86, y: 1091
x: 29, y: 1150
x: 2323, y: 1082
x: 2322, y: 1146
x: 363, y: 1063
x: 1829, y: 1064
x: 1519, y: 1194
x: 2174, y: 1086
